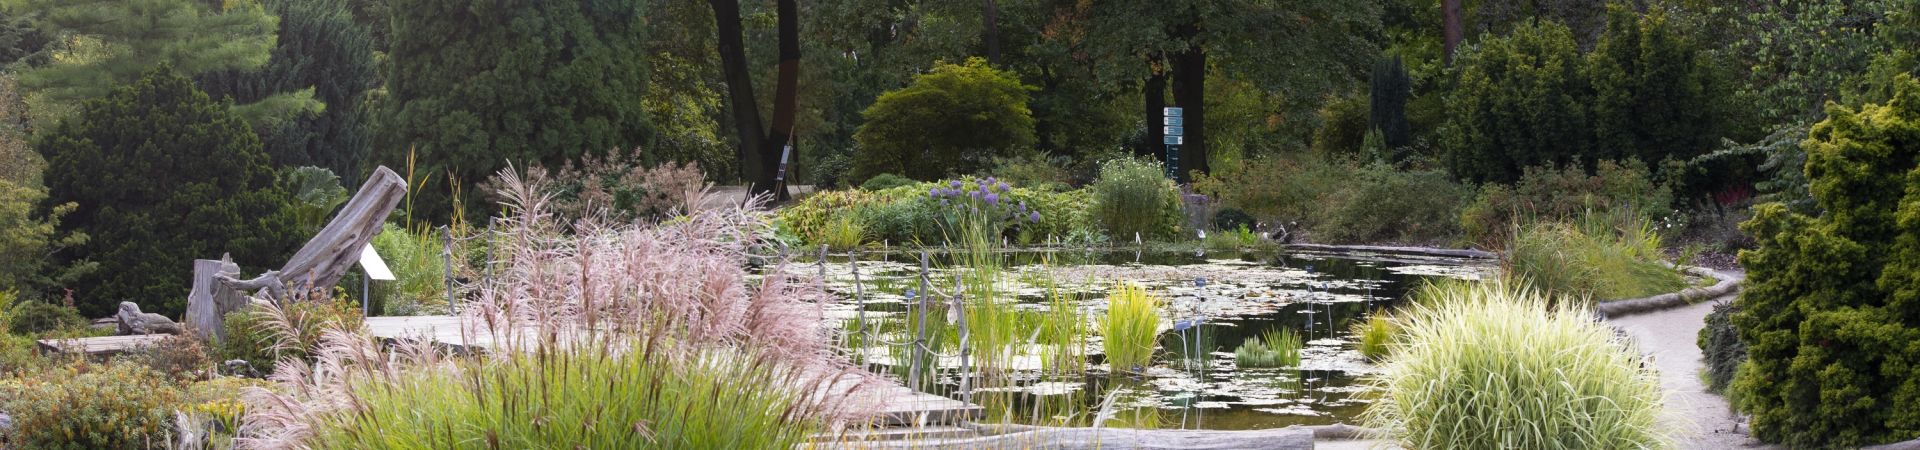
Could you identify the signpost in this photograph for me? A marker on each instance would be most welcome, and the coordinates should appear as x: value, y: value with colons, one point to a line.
x: 375, y: 269
x: 1176, y: 130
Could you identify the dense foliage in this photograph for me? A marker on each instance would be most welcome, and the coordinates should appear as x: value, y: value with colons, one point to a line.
x: 1132, y: 198
x: 1546, y: 194
x: 1830, y: 314
x: 1342, y: 200
x: 88, y: 406
x: 162, y: 174
x: 954, y: 119
x: 1598, y: 257
x: 1533, y: 98
x: 472, y: 87
x: 323, y: 55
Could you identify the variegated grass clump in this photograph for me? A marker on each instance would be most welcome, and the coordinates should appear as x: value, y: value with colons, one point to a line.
x: 1131, y: 329
x: 1492, y: 366
x: 592, y: 335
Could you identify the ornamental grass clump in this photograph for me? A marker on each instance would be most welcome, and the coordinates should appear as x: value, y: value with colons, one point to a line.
x: 1375, y: 334
x: 594, y: 336
x: 1276, y: 348
x: 1131, y: 329
x: 1492, y: 366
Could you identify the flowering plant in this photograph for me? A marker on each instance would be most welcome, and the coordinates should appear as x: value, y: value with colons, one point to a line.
x: 980, y: 209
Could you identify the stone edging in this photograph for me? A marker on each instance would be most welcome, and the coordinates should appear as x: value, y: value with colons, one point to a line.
x: 1725, y: 284
x: 1423, y: 251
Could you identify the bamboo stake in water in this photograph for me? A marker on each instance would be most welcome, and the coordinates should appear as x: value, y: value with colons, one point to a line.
x: 919, y: 344
x: 859, y: 305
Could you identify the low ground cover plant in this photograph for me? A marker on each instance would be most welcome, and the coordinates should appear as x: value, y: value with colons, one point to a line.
x: 1493, y: 365
x: 89, y: 405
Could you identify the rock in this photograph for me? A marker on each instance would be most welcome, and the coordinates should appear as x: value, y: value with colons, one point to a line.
x: 239, y: 368
x: 6, y: 424
x: 133, y: 322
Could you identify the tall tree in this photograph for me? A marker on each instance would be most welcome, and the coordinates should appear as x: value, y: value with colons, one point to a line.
x: 113, y: 43
x: 1236, y: 37
x: 1452, y: 30
x: 161, y: 175
x: 321, y: 49
x: 760, y: 148
x: 990, y: 30
x: 475, y: 85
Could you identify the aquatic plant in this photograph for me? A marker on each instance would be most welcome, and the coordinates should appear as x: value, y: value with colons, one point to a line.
x: 1375, y: 334
x: 845, y: 231
x: 1492, y: 365
x: 1131, y: 328
x: 1277, y: 347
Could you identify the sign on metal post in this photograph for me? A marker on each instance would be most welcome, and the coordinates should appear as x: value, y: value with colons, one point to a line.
x: 1176, y: 130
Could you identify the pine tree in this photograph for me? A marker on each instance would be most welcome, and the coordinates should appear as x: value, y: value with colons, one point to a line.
x: 320, y: 51
x: 109, y: 43
x: 1391, y: 88
x: 162, y: 175
x: 474, y: 85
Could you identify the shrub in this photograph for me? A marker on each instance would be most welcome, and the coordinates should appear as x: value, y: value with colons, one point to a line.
x: 1829, y: 308
x: 621, y: 187
x: 419, y: 272
x: 1720, y: 342
x: 1134, y: 196
x: 317, y: 192
x: 1343, y: 124
x: 1276, y: 190
x: 886, y: 181
x: 28, y: 234
x: 902, y: 221
x: 1491, y: 365
x: 843, y: 232
x: 1241, y: 238
x: 1131, y: 327
x: 1598, y: 259
x: 33, y: 317
x: 1232, y: 219
x: 179, y: 357
x: 1276, y: 348
x: 954, y: 119
x: 163, y: 174
x: 1380, y: 203
x: 86, y: 406
x: 1037, y: 170
x: 1549, y: 194
x: 907, y: 214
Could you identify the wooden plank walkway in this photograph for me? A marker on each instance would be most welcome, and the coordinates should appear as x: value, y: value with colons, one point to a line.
x: 897, y: 405
x: 103, y: 345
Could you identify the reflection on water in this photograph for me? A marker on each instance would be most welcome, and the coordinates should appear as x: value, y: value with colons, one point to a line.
x: 1194, y: 383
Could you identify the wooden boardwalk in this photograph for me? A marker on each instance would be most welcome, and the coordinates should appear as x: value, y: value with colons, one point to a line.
x: 103, y: 345
x: 897, y: 405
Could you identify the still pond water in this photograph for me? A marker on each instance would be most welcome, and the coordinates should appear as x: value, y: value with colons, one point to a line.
x: 1193, y: 383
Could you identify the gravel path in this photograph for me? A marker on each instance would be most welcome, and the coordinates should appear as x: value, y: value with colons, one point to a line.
x: 1670, y: 337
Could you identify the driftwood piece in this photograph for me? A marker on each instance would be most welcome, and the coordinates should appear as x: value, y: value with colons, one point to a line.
x: 134, y: 322
x: 211, y: 300
x: 318, y: 265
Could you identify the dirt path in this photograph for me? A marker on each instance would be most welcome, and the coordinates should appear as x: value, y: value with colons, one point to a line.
x: 1669, y: 337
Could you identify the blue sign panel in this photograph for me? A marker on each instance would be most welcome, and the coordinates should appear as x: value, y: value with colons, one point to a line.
x: 1173, y: 121
x: 1176, y: 131
x: 1172, y: 140
x: 1170, y: 111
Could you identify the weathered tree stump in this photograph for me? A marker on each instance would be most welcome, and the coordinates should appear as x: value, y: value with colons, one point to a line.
x: 317, y: 266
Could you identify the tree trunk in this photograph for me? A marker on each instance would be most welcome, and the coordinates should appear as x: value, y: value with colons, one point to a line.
x: 1454, y: 31
x: 785, y: 101
x: 746, y: 113
x: 1155, y: 92
x: 991, y: 35
x: 1190, y: 93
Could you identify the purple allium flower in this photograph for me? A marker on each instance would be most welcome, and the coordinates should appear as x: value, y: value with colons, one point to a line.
x: 975, y: 194
x: 992, y: 180
x: 943, y: 202
x: 1023, y: 206
x: 993, y: 199
x: 1035, y: 217
x: 955, y: 184
x: 1004, y: 188
x: 933, y: 192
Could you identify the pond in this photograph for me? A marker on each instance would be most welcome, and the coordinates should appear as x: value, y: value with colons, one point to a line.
x: 1051, y: 377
